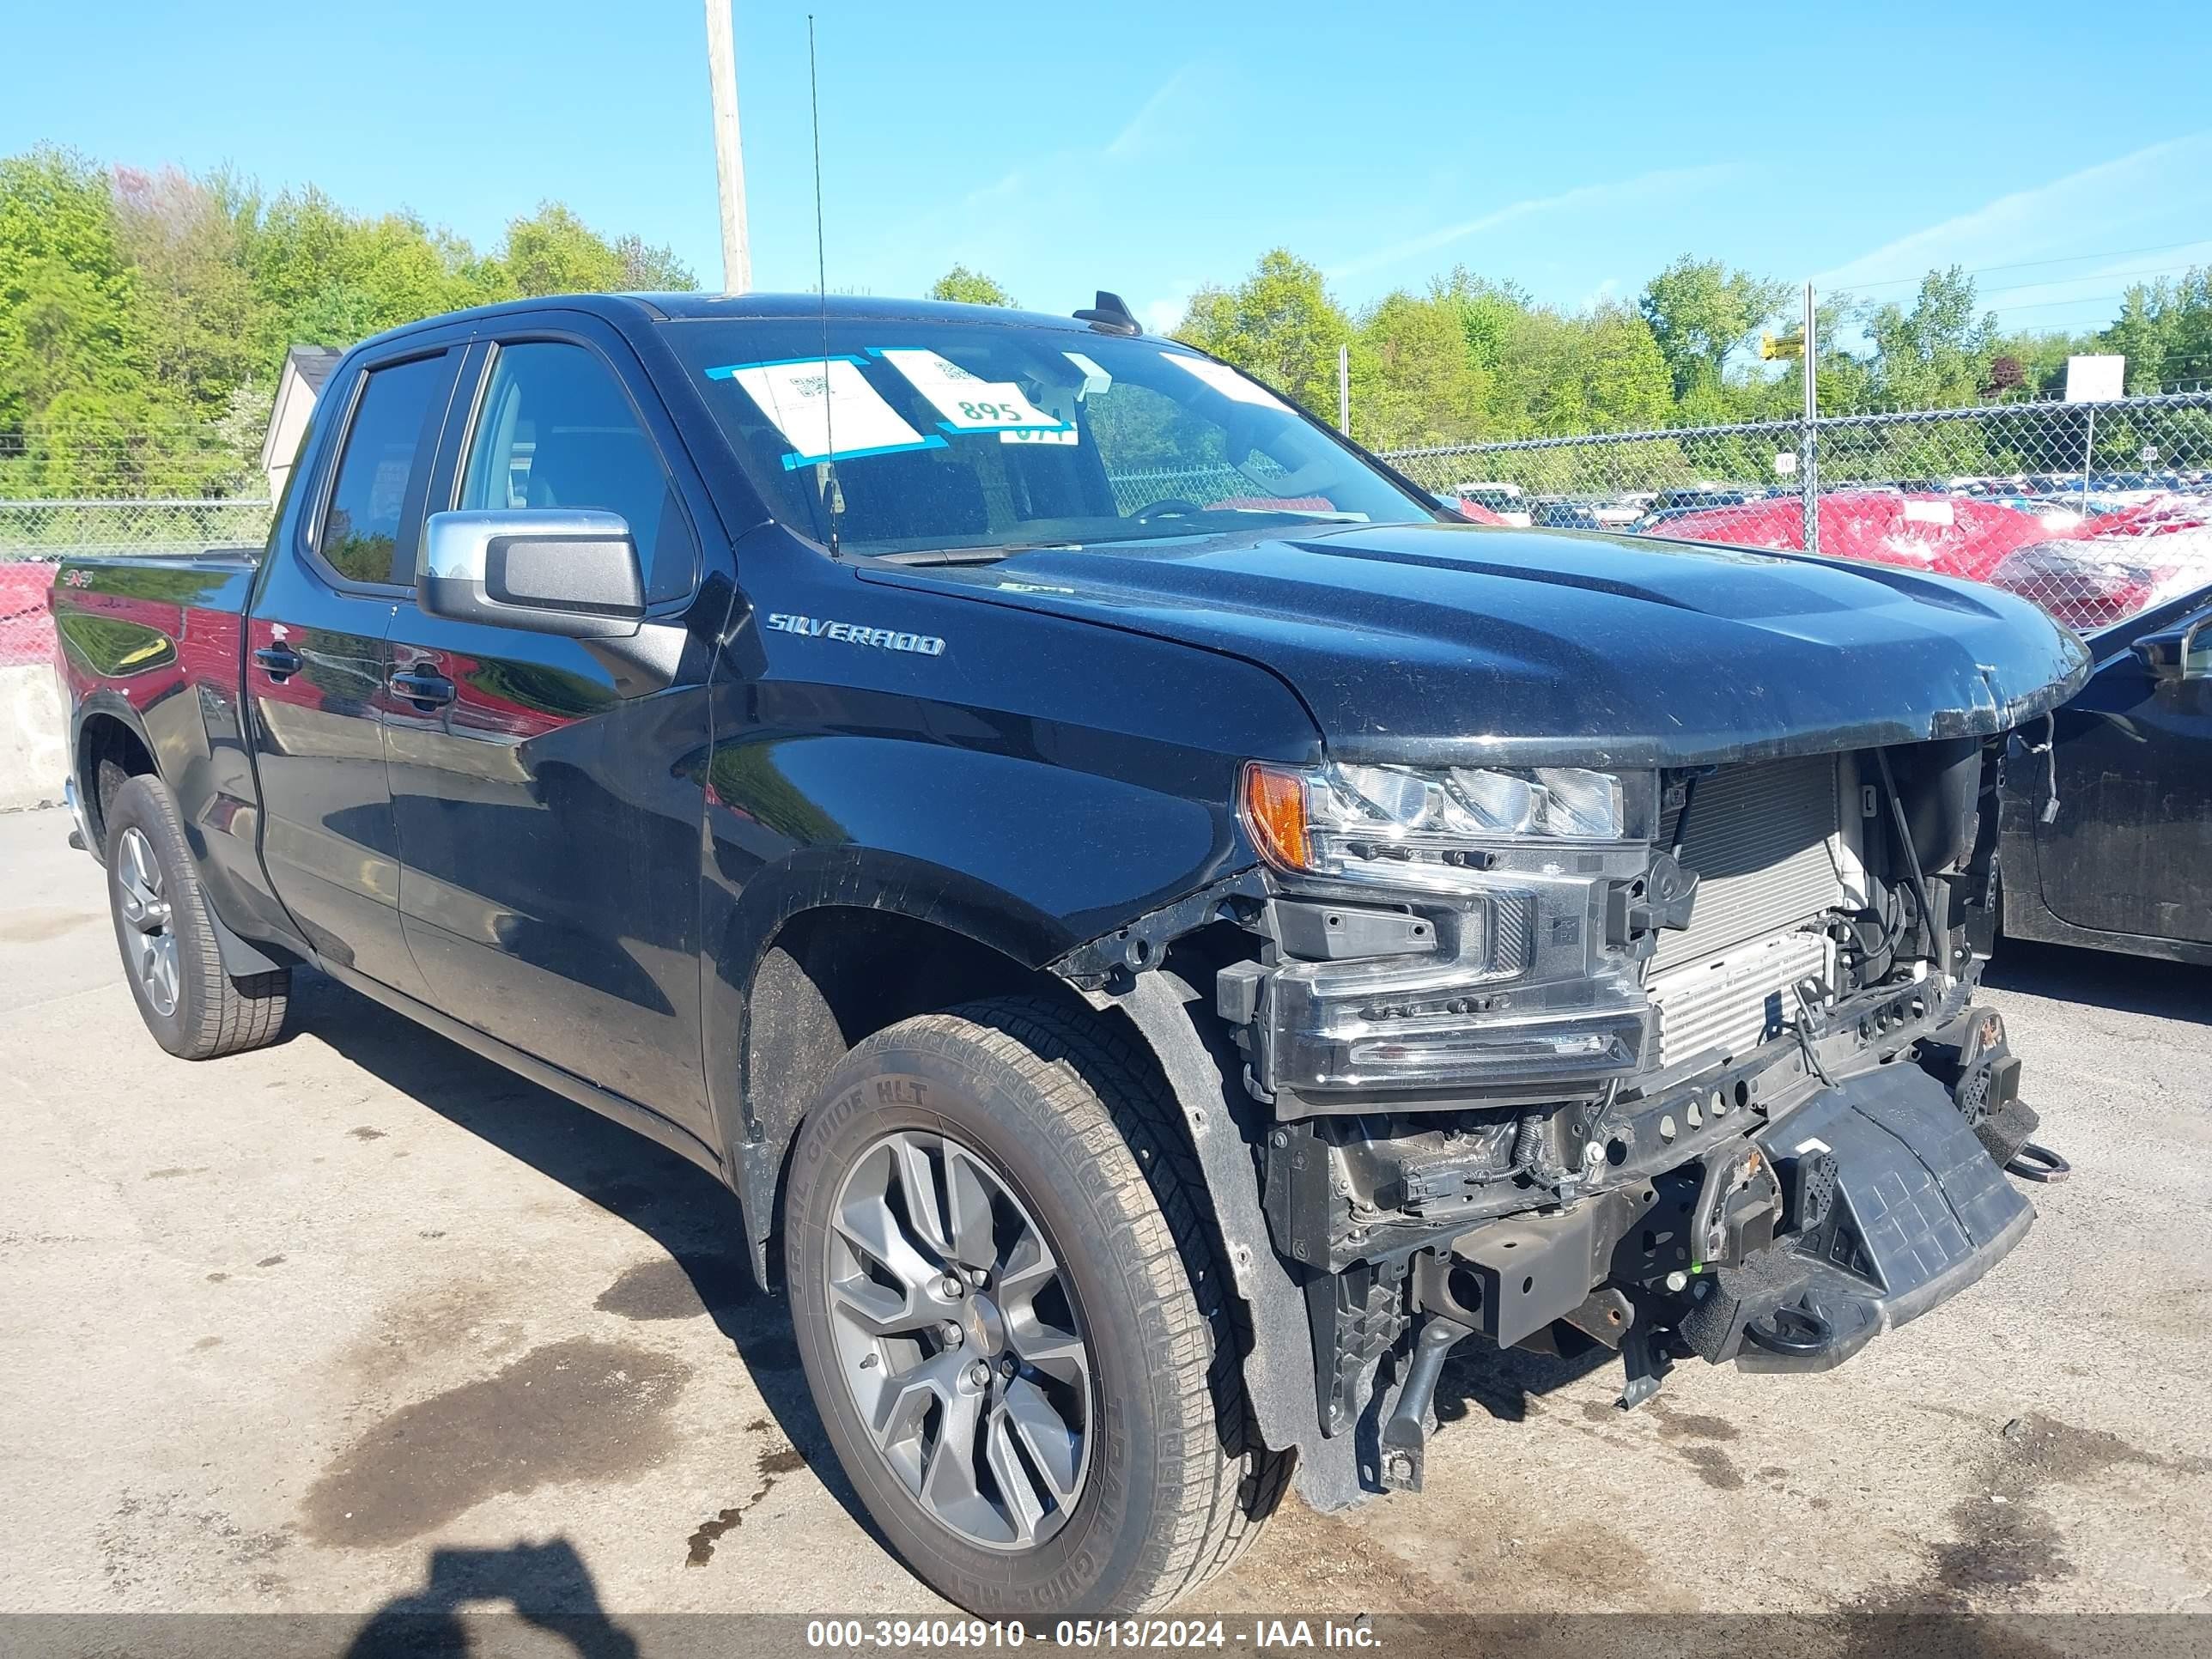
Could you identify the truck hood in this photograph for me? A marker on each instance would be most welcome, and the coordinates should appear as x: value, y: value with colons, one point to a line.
x: 1463, y: 644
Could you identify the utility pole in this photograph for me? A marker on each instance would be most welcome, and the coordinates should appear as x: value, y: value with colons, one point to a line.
x: 729, y: 156
x: 1809, y: 455
x: 1344, y: 389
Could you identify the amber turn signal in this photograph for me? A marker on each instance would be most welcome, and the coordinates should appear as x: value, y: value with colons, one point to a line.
x: 1275, y: 813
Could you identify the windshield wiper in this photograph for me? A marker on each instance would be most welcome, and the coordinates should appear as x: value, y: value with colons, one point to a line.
x: 936, y: 556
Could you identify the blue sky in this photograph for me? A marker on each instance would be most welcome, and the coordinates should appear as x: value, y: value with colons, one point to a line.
x: 2063, y: 150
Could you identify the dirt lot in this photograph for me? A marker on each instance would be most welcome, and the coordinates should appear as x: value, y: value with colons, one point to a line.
x: 361, y: 1320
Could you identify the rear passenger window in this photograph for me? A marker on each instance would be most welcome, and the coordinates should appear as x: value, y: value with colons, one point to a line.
x: 556, y: 430
x: 362, y: 527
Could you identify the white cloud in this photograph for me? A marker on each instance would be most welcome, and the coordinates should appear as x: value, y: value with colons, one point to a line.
x: 2146, y: 187
x: 1148, y: 123
x: 1642, y: 189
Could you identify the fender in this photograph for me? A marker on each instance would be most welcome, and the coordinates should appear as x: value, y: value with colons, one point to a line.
x: 864, y: 881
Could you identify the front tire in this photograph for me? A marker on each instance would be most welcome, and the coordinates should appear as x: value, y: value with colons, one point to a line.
x: 167, y: 938
x: 1004, y: 1289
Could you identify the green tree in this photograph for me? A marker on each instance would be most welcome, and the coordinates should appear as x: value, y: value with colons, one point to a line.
x: 2165, y: 330
x: 195, y: 298
x: 554, y: 252
x: 969, y: 288
x: 1279, y: 324
x: 68, y: 295
x: 1413, y: 381
x: 1699, y: 310
x: 1938, y: 352
x: 651, y: 269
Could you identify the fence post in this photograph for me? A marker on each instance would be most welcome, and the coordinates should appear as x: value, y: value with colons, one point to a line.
x: 1809, y: 443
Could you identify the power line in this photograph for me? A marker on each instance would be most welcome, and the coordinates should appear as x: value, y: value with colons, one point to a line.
x: 2097, y: 276
x: 2025, y: 264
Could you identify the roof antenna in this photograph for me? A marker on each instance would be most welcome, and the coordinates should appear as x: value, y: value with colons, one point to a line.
x: 833, y: 493
x: 1110, y: 315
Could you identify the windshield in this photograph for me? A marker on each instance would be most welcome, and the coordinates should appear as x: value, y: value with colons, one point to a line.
x: 921, y: 438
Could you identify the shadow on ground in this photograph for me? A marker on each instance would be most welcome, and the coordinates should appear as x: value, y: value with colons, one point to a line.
x: 685, y: 1210
x: 2102, y: 978
x: 546, y: 1586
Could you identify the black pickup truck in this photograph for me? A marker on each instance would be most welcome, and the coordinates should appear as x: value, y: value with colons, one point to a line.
x: 1164, y: 930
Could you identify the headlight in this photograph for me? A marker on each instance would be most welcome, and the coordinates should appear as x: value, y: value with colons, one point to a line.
x: 1435, y: 828
x: 1526, y: 996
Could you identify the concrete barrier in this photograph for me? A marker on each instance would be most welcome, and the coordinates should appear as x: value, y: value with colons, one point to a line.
x: 33, y: 747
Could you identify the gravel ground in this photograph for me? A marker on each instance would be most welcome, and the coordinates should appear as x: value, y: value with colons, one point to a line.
x: 361, y: 1322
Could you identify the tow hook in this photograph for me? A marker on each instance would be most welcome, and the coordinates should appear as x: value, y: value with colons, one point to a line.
x: 1405, y: 1435
x: 1646, y: 1357
x: 2038, y: 1163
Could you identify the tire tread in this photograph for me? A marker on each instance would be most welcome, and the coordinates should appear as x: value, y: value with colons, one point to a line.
x: 234, y: 1014
x: 1104, y: 1084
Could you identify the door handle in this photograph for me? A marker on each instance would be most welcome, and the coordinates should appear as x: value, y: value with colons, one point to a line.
x: 421, y: 685
x: 279, y: 661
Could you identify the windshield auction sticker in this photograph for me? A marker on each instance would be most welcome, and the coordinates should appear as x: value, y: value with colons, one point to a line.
x: 816, y: 403
x: 967, y: 402
x: 1226, y: 381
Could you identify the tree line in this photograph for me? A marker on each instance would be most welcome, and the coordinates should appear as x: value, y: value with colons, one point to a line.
x: 1471, y: 359
x: 144, y: 317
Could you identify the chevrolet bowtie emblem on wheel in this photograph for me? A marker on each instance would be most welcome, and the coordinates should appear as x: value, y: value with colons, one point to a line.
x: 884, y: 639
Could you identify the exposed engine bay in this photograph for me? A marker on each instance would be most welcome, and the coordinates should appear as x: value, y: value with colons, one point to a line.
x: 1674, y: 1064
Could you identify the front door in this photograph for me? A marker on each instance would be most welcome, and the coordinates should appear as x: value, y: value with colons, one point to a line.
x: 549, y: 833
x: 2130, y: 851
x: 316, y: 666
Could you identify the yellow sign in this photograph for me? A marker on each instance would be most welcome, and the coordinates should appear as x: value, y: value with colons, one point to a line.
x: 1790, y: 345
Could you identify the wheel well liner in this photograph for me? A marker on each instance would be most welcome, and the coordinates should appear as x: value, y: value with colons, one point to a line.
x: 828, y: 977
x: 109, y: 749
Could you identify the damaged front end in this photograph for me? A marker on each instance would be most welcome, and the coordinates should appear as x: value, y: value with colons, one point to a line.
x: 1675, y: 1063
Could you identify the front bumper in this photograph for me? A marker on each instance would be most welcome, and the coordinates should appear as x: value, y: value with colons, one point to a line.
x: 1920, y: 1211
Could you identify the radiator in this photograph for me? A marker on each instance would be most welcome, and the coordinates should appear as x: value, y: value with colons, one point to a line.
x: 1762, y: 839
x: 1764, y: 842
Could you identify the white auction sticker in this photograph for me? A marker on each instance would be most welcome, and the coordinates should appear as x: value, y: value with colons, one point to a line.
x: 816, y: 403
x: 1226, y: 381
x: 967, y: 402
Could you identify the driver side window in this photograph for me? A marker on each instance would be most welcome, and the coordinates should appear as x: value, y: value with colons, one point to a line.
x: 555, y: 430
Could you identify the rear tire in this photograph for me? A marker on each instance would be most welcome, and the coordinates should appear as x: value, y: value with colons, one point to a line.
x: 171, y: 957
x: 1053, y: 1118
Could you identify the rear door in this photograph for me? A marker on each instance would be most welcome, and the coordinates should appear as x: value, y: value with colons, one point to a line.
x: 2130, y: 851
x: 317, y: 663
x: 549, y: 825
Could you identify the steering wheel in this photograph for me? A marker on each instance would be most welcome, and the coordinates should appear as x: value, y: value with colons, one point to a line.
x: 1170, y: 507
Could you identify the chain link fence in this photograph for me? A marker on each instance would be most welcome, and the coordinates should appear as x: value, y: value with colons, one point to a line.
x: 2095, y: 511
x: 34, y: 535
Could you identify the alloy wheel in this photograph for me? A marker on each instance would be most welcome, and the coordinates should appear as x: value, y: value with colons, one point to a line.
x: 960, y: 1340
x: 151, y: 946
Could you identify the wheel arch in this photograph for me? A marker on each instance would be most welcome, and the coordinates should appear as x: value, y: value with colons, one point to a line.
x: 107, y: 729
x: 819, y: 951
x: 816, y: 986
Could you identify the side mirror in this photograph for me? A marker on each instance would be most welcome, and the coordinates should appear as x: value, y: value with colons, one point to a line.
x: 2178, y: 654
x: 547, y: 570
